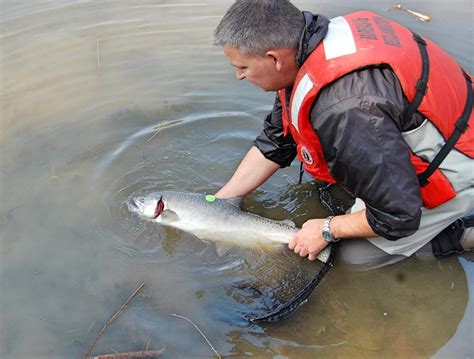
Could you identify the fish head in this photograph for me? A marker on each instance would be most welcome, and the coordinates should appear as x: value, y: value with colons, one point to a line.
x: 150, y: 206
x: 155, y: 207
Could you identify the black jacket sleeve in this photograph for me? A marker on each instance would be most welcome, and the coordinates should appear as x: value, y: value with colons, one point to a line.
x: 358, y: 121
x: 273, y: 144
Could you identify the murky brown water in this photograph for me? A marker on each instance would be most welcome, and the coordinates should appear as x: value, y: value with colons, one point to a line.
x: 83, y: 86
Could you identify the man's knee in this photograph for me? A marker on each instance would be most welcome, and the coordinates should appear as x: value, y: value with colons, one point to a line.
x: 364, y: 255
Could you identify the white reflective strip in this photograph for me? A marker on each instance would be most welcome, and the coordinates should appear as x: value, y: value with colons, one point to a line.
x: 339, y: 40
x: 425, y: 141
x: 304, y: 86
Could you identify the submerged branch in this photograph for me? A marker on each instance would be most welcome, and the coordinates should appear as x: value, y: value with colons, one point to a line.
x: 131, y: 355
x: 98, y: 56
x: 200, y: 332
x: 113, y: 317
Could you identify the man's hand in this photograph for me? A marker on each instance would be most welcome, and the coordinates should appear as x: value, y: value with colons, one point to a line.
x: 308, y: 241
x: 251, y: 173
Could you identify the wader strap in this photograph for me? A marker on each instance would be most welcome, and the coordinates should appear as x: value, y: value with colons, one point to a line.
x: 460, y: 127
x: 422, y: 83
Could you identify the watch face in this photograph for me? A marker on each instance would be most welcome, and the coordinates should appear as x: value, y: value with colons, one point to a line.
x: 327, y: 236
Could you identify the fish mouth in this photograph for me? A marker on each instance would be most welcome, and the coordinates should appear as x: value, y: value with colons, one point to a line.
x: 143, y: 207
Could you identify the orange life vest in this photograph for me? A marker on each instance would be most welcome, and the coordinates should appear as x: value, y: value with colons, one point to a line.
x: 432, y: 81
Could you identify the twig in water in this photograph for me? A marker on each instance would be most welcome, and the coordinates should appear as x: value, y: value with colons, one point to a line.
x: 419, y: 16
x: 131, y: 355
x: 98, y: 55
x: 9, y: 213
x: 152, y: 136
x: 53, y: 174
x: 113, y: 317
x: 86, y: 156
x: 200, y: 332
x: 90, y: 328
x: 162, y: 125
x: 165, y: 124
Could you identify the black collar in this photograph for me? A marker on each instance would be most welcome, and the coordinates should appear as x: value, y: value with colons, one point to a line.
x: 315, y: 28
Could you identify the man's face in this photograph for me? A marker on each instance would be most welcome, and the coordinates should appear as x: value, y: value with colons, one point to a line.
x: 263, y: 71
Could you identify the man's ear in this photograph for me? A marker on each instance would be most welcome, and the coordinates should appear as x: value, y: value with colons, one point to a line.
x: 276, y: 57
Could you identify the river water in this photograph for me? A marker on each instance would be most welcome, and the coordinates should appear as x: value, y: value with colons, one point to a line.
x: 103, y: 99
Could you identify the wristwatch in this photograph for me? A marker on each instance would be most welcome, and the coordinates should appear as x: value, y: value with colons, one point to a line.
x: 326, y: 231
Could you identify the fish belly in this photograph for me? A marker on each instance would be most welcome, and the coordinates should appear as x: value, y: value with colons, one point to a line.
x: 240, y: 236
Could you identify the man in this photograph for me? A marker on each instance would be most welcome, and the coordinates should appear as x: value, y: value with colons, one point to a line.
x: 367, y: 104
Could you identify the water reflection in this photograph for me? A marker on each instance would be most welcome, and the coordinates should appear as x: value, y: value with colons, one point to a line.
x: 101, y: 100
x: 465, y: 329
x: 393, y: 313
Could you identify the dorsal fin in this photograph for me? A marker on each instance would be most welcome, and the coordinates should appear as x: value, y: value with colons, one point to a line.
x: 235, y: 201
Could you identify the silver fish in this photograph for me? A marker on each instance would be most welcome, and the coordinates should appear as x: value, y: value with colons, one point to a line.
x: 218, y: 220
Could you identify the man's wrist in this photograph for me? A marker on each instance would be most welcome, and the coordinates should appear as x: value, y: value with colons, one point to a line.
x: 326, y: 233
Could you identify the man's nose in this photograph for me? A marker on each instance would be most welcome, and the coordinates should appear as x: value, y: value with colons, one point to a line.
x: 239, y: 74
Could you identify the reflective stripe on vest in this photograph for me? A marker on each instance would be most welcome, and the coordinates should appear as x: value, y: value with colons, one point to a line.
x: 339, y: 40
x: 304, y: 87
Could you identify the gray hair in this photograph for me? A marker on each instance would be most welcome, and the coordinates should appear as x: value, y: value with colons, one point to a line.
x: 256, y: 26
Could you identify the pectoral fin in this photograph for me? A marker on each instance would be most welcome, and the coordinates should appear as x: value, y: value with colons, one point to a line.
x: 168, y: 216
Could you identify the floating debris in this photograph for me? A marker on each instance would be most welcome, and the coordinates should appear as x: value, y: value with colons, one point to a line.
x: 321, y: 330
x: 53, y: 176
x: 419, y: 16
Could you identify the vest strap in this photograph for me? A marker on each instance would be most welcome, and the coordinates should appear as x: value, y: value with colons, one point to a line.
x: 460, y: 127
x: 422, y: 83
x: 300, y: 179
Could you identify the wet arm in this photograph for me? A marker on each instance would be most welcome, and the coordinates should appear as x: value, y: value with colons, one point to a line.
x: 271, y: 151
x: 251, y: 173
x: 309, y: 242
